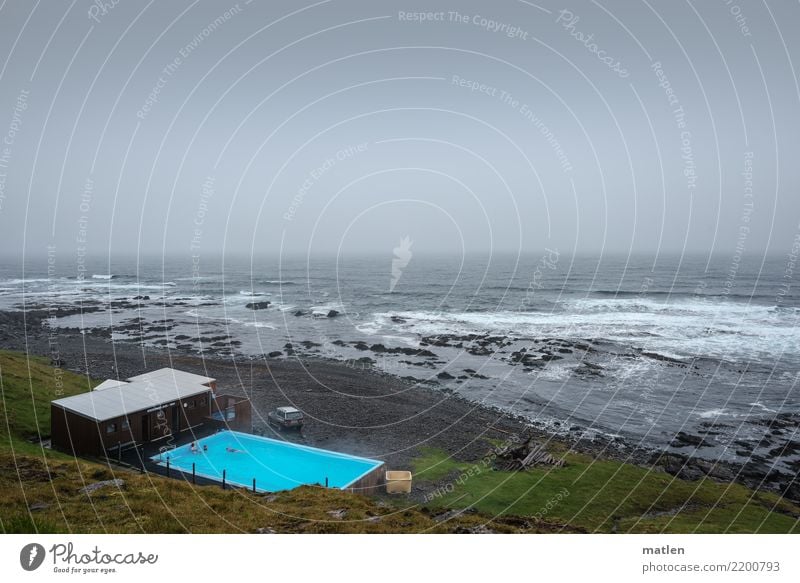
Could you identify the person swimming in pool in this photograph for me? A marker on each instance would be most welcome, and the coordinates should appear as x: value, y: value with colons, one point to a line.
x: 205, y: 447
x: 194, y: 447
x: 233, y: 450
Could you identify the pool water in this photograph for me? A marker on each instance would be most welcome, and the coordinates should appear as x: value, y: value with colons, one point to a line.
x: 275, y: 465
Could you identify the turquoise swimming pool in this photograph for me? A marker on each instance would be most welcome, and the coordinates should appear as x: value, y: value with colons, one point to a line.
x: 275, y: 465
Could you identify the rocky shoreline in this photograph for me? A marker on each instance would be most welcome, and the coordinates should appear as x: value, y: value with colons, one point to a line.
x: 355, y: 407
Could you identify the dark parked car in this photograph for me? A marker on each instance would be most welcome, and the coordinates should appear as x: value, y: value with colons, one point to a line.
x: 286, y: 418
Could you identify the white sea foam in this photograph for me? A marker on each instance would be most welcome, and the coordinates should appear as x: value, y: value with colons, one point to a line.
x: 761, y: 406
x: 31, y: 280
x: 258, y: 325
x: 103, y: 286
x: 368, y: 328
x: 711, y: 413
x: 553, y: 372
x: 685, y: 330
x: 323, y: 310
x: 412, y: 342
x: 198, y: 316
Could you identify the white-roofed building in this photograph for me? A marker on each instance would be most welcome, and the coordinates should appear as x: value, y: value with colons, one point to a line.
x: 147, y: 408
x: 176, y: 375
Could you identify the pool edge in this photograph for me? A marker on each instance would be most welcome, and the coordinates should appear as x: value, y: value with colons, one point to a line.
x: 364, y: 483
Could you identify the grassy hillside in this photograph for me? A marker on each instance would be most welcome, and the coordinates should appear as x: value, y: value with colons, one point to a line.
x: 27, y: 385
x: 607, y: 496
x: 40, y: 490
x: 153, y: 504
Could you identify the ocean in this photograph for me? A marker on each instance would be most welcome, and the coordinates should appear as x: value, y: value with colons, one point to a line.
x: 690, y: 354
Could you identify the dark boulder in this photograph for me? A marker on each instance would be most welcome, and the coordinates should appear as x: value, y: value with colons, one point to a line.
x: 683, y: 439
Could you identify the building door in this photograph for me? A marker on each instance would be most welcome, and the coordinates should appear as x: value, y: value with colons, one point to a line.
x: 176, y: 420
x: 146, y: 427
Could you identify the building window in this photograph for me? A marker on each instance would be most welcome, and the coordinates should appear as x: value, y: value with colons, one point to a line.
x: 202, y: 401
x: 125, y: 425
x: 192, y: 404
x: 111, y: 428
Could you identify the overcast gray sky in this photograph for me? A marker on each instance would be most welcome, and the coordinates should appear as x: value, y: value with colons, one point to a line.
x: 287, y: 126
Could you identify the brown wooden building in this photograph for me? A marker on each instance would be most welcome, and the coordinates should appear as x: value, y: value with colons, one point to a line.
x: 143, y: 409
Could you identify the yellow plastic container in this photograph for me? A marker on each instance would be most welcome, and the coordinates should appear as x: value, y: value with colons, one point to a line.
x: 398, y: 482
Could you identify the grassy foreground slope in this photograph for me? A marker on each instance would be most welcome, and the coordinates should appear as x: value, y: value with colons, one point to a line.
x: 40, y: 490
x: 606, y: 496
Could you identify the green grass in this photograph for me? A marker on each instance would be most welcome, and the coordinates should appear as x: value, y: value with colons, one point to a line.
x: 607, y: 496
x: 27, y: 385
x: 152, y: 504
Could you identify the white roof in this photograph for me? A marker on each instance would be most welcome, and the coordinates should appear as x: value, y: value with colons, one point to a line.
x: 129, y: 398
x: 178, y: 376
x: 109, y: 384
x: 289, y: 410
